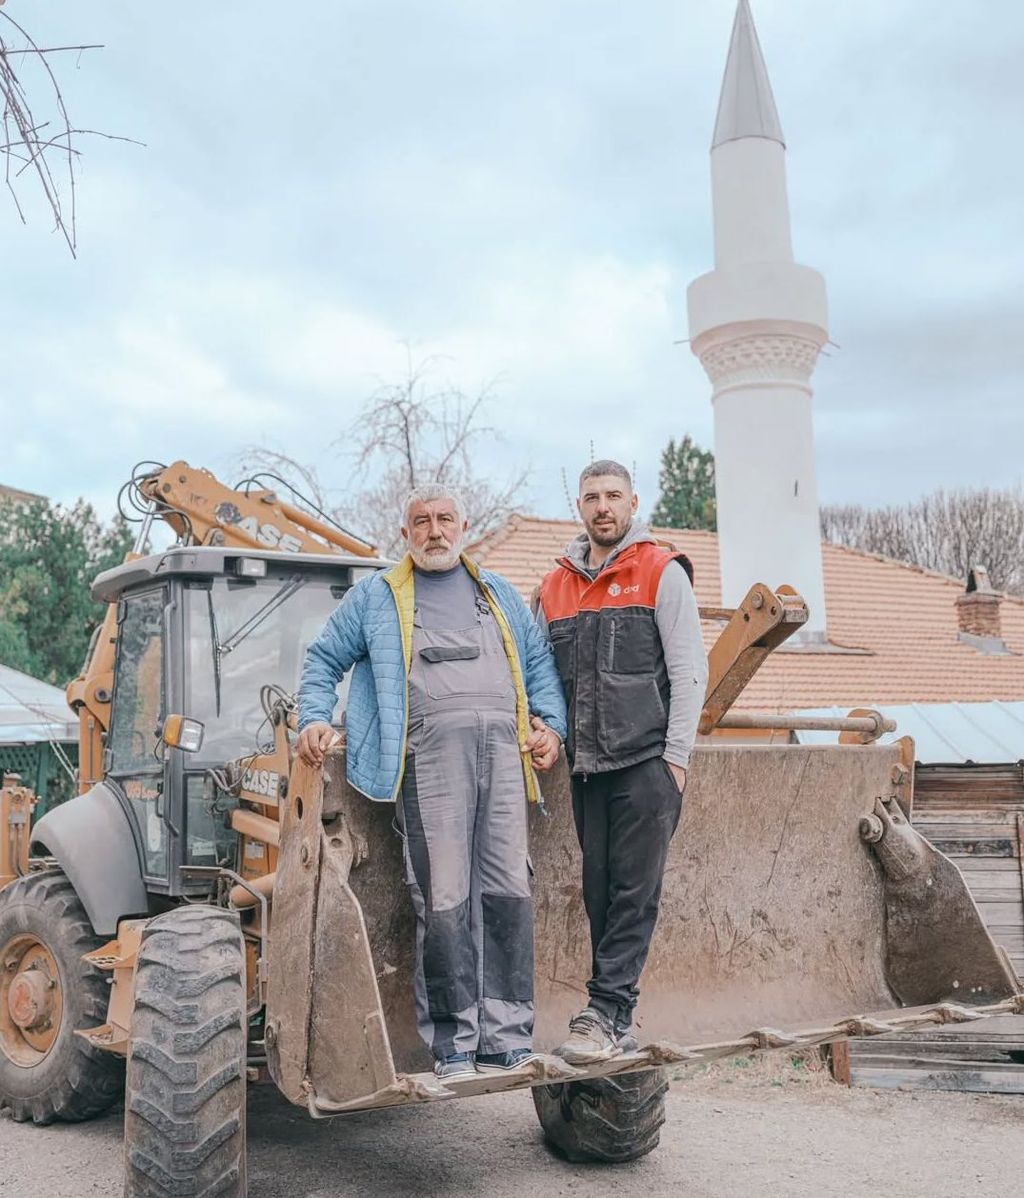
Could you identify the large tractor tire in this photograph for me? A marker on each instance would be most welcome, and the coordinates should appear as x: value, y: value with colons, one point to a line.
x: 185, y: 1095
x: 612, y: 1119
x: 46, y: 992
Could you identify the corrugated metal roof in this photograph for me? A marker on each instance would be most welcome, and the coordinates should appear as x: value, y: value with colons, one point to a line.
x: 947, y: 733
x: 33, y: 711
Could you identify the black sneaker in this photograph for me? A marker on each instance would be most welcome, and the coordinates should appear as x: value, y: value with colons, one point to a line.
x: 501, y: 1062
x: 457, y: 1064
x: 593, y: 1037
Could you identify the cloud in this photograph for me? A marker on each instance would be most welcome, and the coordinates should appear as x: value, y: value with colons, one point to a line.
x: 207, y: 369
x: 523, y: 191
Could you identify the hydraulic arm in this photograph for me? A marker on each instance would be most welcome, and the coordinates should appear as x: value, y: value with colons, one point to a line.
x: 201, y: 511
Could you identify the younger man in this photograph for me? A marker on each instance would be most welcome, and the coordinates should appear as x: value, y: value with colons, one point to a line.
x: 623, y: 622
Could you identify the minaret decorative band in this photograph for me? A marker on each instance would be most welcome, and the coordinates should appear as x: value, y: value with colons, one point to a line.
x: 774, y: 357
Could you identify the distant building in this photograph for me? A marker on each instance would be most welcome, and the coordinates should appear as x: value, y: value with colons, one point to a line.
x: 7, y: 493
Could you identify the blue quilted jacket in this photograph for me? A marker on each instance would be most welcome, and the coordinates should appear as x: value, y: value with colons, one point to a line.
x: 370, y: 633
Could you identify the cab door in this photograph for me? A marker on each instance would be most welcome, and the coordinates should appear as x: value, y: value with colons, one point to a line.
x: 134, y: 755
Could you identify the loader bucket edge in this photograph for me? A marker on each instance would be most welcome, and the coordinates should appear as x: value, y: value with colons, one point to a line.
x: 795, y: 894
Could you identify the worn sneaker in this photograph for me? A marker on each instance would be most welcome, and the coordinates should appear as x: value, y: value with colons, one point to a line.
x: 593, y: 1037
x: 626, y: 1039
x: 457, y: 1064
x: 500, y: 1062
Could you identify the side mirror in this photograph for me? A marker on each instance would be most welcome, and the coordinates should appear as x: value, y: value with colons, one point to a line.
x: 182, y: 733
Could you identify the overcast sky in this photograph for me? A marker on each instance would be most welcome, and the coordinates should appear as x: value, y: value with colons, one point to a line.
x: 522, y: 188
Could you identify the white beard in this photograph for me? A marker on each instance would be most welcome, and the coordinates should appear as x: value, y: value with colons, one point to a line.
x: 437, y: 561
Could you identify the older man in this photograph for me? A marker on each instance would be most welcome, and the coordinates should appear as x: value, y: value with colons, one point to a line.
x: 624, y: 624
x: 454, y: 701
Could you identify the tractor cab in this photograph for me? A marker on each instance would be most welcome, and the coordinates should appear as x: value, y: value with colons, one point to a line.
x: 213, y: 635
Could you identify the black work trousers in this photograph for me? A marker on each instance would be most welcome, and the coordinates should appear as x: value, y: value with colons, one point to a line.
x: 625, y: 820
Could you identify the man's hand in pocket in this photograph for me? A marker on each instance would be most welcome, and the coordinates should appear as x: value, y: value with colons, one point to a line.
x: 678, y: 773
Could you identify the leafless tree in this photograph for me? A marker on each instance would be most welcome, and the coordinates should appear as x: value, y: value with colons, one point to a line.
x: 409, y: 433
x: 949, y: 531
x: 42, y: 146
x: 260, y: 463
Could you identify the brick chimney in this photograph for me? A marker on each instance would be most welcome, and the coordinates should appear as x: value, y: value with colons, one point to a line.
x: 977, y: 611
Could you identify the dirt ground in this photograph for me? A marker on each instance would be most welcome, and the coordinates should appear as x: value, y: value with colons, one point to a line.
x: 767, y: 1128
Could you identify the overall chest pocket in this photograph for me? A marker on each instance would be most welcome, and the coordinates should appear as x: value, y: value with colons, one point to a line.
x: 463, y: 663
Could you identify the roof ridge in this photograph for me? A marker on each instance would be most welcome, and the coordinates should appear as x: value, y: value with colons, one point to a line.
x: 547, y: 520
x: 690, y: 532
x: 560, y: 520
x: 927, y: 571
x: 497, y: 536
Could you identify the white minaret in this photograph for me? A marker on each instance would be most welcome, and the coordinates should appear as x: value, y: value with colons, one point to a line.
x: 757, y: 323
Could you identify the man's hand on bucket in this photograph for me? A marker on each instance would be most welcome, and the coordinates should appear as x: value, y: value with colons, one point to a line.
x: 542, y: 744
x: 314, y: 741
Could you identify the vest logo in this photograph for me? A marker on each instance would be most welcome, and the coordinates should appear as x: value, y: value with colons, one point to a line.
x: 615, y: 590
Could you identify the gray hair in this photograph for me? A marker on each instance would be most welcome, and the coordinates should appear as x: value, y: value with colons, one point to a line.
x: 428, y: 492
x: 605, y: 466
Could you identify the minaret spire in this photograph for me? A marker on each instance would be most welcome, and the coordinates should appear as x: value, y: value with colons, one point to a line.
x: 746, y: 107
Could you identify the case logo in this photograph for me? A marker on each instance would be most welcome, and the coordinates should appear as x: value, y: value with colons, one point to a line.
x: 261, y: 782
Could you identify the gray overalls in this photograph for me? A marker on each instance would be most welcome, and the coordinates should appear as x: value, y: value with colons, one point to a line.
x: 463, y: 812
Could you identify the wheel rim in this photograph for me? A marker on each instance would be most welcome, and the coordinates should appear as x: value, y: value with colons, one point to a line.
x: 31, y: 1001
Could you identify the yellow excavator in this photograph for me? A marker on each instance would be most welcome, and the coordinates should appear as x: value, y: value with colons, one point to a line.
x: 210, y: 913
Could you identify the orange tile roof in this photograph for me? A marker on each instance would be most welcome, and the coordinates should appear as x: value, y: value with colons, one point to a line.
x: 902, y: 615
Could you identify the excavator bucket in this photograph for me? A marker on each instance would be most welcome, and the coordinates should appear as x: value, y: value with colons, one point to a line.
x: 799, y: 906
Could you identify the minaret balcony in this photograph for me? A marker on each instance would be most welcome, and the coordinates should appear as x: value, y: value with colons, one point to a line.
x: 784, y: 293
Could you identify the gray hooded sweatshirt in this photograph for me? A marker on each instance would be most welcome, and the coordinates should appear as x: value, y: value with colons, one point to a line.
x: 678, y: 623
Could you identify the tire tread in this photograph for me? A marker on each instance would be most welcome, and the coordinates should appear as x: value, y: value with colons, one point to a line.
x: 612, y: 1119
x: 185, y: 1108
x: 89, y: 1080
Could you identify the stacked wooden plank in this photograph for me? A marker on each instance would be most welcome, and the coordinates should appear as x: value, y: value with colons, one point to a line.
x: 975, y: 815
x: 987, y: 1057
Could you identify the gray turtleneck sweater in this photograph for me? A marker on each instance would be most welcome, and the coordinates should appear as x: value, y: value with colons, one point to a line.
x: 446, y: 598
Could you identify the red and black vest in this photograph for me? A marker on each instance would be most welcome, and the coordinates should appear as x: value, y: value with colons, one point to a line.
x: 610, y: 658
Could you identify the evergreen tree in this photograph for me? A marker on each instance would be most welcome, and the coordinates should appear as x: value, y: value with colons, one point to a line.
x: 49, y: 556
x: 687, y: 487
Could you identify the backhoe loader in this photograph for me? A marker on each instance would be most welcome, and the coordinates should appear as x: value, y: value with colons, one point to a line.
x: 211, y: 913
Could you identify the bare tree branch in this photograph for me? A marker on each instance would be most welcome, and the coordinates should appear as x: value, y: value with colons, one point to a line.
x: 949, y: 531
x: 53, y: 49
x: 256, y: 459
x: 22, y: 143
x: 413, y: 433
x: 408, y: 433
